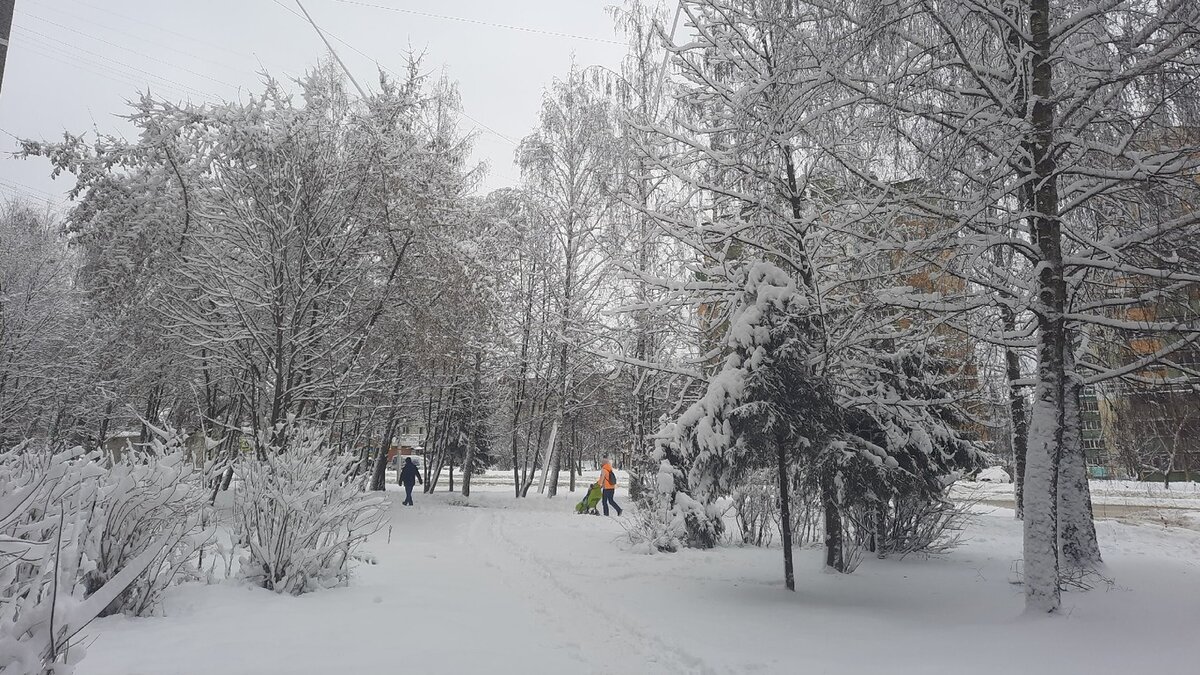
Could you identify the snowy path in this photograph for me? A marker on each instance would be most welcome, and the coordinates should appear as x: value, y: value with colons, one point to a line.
x: 580, y: 612
x: 529, y: 587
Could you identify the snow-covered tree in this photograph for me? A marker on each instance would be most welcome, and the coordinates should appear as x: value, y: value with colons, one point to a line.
x: 252, y: 254
x: 1033, y: 126
x: 568, y: 166
x: 45, y: 341
x: 764, y: 408
x: 756, y: 180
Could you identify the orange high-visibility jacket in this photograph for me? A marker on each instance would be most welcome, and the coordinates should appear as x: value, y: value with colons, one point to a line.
x: 607, y: 480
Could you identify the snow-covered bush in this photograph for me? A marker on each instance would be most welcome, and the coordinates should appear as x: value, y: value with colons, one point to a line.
x: 149, y: 494
x: 668, y: 519
x: 919, y: 526
x: 756, y: 510
x: 55, y: 511
x: 301, y: 513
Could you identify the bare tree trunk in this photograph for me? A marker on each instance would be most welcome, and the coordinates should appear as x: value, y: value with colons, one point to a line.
x: 1042, y: 571
x: 475, y: 409
x: 519, y: 385
x: 1016, y: 411
x: 150, y: 414
x: 104, y: 422
x: 1004, y: 259
x: 554, y: 459
x: 835, y: 556
x: 574, y: 450
x: 785, y: 517
x: 550, y: 471
x: 518, y: 403
x: 1076, y: 524
x: 537, y: 452
x: 379, y: 471
x: 441, y: 439
x: 379, y: 474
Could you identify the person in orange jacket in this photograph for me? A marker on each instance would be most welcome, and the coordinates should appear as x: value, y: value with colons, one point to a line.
x: 608, y: 485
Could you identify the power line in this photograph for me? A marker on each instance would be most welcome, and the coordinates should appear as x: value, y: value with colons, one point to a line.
x: 99, y: 69
x: 389, y: 70
x: 480, y: 22
x: 13, y: 183
x: 139, y: 36
x: 308, y: 17
x: 16, y: 191
x: 178, y: 85
x: 487, y: 128
x: 72, y: 61
x: 105, y: 10
x: 20, y: 195
x: 134, y: 51
x: 127, y: 66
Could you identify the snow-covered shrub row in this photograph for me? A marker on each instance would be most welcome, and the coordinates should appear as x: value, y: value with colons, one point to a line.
x: 907, y: 525
x: 79, y: 540
x: 301, y: 513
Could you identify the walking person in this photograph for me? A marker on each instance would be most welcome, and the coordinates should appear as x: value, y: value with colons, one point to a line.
x: 608, y: 485
x: 409, y: 476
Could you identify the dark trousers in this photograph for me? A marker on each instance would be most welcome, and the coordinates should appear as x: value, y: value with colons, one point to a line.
x: 408, y: 493
x: 608, y: 499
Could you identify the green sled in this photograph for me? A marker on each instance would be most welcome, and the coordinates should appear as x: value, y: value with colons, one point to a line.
x: 590, y: 500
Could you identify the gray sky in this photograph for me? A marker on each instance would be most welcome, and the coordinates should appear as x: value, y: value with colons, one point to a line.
x: 72, y: 64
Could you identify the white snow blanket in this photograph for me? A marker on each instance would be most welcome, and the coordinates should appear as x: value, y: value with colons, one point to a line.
x: 993, y: 474
x: 507, y: 586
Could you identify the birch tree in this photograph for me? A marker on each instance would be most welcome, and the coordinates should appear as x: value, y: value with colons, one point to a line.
x: 568, y: 167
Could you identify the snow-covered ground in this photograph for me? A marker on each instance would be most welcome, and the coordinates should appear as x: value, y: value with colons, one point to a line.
x: 507, y: 586
x: 1127, y: 495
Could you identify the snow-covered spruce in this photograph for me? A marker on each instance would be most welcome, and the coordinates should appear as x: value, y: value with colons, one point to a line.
x: 668, y: 519
x: 879, y: 463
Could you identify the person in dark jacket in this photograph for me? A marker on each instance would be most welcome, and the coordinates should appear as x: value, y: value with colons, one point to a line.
x: 409, y: 476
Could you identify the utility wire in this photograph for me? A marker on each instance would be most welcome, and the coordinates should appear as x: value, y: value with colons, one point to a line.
x: 17, y: 190
x: 479, y: 22
x: 98, y: 69
x: 324, y: 32
x: 32, y: 190
x: 137, y: 35
x: 267, y: 66
x: 133, y: 51
x: 126, y: 17
x: 179, y: 85
x: 328, y: 46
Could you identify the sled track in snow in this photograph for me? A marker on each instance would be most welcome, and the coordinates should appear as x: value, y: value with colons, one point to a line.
x: 565, y: 605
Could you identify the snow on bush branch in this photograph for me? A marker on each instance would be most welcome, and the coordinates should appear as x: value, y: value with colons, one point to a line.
x: 79, y: 540
x: 301, y: 513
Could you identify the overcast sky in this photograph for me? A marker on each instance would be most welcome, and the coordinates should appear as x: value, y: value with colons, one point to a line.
x: 72, y: 64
